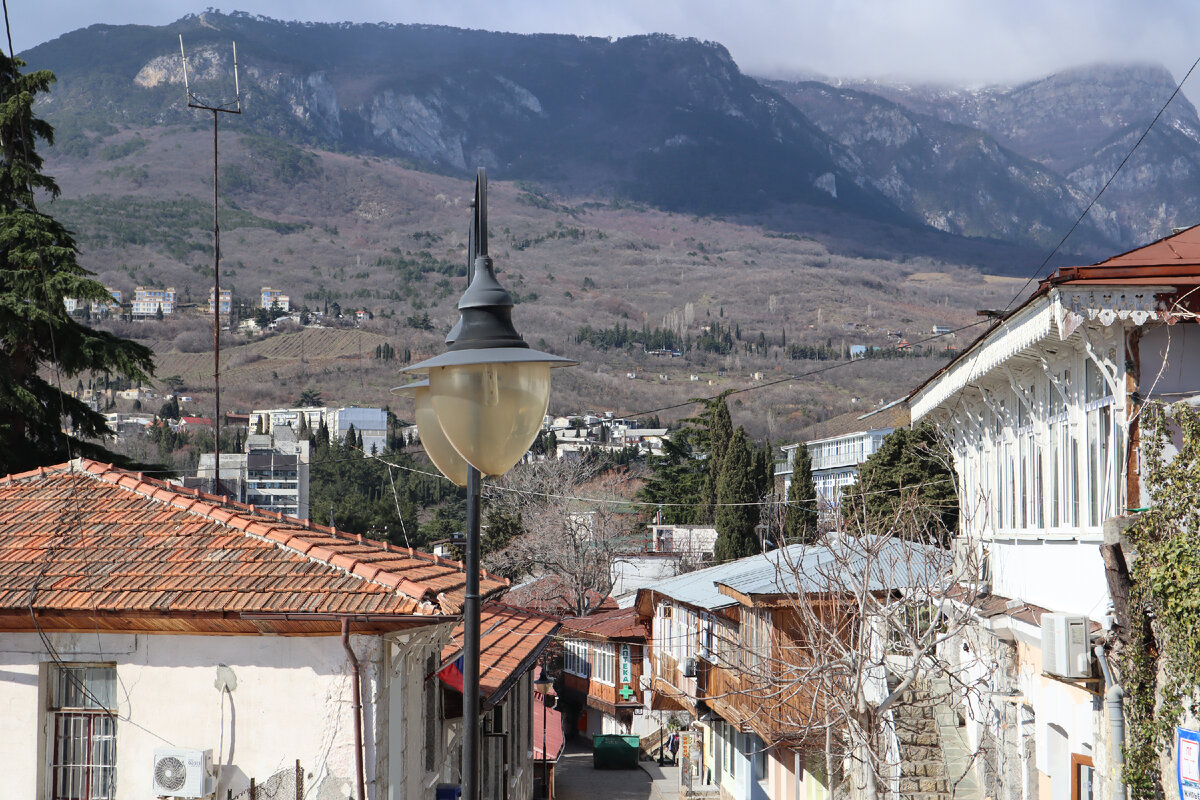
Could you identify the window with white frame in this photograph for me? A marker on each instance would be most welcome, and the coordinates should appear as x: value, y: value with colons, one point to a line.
x: 83, y: 727
x: 707, y: 643
x: 729, y: 649
x: 1102, y: 470
x: 603, y: 663
x: 575, y: 660
x: 683, y: 645
x: 666, y: 629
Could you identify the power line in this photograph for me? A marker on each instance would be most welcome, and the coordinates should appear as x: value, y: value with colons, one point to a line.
x: 1107, y: 183
x: 790, y: 378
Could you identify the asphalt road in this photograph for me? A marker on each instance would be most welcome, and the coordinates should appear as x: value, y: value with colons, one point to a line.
x: 576, y: 779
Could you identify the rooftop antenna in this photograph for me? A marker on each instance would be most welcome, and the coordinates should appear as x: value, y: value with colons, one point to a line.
x: 235, y: 107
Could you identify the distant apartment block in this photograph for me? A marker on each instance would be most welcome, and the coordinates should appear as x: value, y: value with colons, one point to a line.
x: 272, y: 296
x: 940, y: 330
x: 370, y: 423
x: 837, y: 447
x: 147, y: 302
x: 273, y: 473
x: 100, y: 307
x: 226, y: 301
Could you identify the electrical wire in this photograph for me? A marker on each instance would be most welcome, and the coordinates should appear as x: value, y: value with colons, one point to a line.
x: 790, y: 378
x: 1036, y: 272
x: 1107, y: 183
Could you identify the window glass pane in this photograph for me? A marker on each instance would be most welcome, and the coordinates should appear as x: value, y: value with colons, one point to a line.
x: 83, y: 750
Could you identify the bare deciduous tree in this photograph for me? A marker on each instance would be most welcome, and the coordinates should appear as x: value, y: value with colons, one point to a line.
x: 848, y: 648
x: 574, y: 526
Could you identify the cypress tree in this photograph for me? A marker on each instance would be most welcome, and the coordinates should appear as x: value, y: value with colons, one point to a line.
x: 720, y: 430
x: 909, y: 460
x: 800, y: 518
x: 736, y: 521
x: 38, y: 269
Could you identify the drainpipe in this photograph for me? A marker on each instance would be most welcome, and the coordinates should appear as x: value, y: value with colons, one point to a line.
x: 358, y: 713
x: 1113, y: 699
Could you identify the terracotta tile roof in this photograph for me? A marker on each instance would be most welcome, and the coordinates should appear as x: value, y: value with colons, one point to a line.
x: 510, y: 641
x: 620, y: 624
x: 83, y: 537
x: 550, y: 595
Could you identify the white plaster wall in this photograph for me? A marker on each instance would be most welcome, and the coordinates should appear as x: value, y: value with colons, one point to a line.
x: 1054, y: 704
x: 18, y: 739
x: 292, y: 701
x: 634, y: 572
x: 1179, y: 346
x: 1063, y: 576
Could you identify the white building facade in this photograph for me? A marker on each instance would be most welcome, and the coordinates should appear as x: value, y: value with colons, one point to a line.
x: 837, y: 448
x: 1040, y: 414
x: 147, y: 302
x: 370, y: 423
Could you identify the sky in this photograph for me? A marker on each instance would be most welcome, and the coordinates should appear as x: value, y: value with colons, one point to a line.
x: 959, y: 42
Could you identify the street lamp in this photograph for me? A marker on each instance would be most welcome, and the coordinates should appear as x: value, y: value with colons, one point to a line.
x: 488, y: 394
x: 545, y: 684
x: 437, y: 446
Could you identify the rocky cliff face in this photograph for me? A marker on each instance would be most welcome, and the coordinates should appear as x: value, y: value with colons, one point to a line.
x: 1078, y: 125
x: 652, y: 119
x: 952, y: 177
x: 664, y: 121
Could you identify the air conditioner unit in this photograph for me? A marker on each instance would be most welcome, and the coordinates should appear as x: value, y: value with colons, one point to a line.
x: 179, y: 772
x: 689, y: 668
x: 1065, y: 646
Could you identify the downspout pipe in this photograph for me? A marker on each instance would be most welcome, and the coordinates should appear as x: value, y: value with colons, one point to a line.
x: 1114, y: 697
x: 356, y: 669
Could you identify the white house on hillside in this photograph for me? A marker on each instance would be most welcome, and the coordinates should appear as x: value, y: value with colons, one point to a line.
x: 1041, y: 415
x: 837, y: 447
x: 370, y: 423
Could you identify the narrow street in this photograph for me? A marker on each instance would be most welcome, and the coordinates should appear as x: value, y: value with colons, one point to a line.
x: 578, y: 780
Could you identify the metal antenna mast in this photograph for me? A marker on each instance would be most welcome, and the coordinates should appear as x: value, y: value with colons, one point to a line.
x: 194, y: 101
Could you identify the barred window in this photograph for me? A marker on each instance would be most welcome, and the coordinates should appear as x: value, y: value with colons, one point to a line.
x: 83, y: 754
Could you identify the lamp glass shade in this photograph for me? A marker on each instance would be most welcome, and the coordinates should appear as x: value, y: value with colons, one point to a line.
x: 437, y: 446
x: 491, y: 412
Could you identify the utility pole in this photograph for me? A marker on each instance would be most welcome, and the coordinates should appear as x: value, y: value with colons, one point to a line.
x: 235, y: 107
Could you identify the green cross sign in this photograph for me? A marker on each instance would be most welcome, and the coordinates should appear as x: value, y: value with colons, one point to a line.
x: 626, y: 692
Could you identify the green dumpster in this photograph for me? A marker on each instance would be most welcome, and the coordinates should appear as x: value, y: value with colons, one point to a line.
x: 610, y: 751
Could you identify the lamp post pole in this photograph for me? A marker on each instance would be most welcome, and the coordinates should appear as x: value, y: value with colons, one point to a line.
x: 477, y: 414
x: 545, y: 755
x: 471, y: 749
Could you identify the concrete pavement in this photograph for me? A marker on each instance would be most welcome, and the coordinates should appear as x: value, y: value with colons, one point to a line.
x: 576, y: 779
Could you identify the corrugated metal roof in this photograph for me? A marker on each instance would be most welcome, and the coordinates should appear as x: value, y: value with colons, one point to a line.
x: 847, y: 563
x: 699, y: 588
x: 839, y: 564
